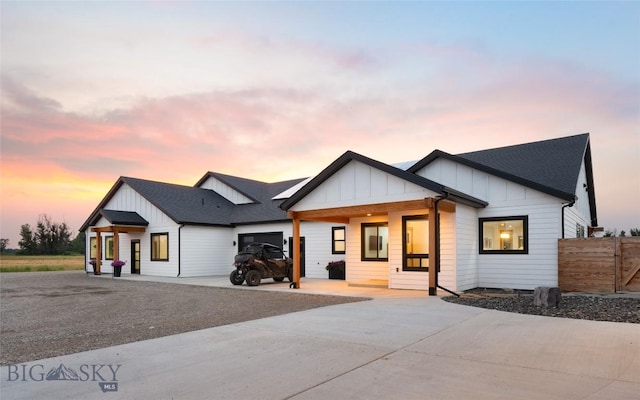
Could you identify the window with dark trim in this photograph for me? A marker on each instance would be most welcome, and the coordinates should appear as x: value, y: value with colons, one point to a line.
x: 504, y: 235
x: 160, y: 246
x: 338, y: 240
x: 108, y: 248
x: 415, y: 246
x: 93, y: 247
x: 375, y: 241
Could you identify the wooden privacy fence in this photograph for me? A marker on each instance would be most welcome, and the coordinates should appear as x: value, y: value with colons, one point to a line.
x: 605, y: 265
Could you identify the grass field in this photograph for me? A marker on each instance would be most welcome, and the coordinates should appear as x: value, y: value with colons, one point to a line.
x: 15, y: 263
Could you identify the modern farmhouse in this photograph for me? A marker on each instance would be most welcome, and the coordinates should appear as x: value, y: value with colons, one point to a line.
x: 499, y: 214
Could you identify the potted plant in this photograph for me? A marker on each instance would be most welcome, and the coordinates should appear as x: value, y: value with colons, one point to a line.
x: 117, y: 267
x: 92, y: 262
x: 336, y: 269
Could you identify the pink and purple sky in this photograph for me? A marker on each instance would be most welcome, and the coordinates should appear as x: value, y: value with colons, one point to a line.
x: 271, y: 91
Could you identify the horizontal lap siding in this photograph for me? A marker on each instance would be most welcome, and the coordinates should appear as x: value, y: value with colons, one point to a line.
x: 159, y: 268
x: 356, y: 269
x: 318, y: 248
x: 525, y: 271
x: 206, y: 251
x: 466, y: 222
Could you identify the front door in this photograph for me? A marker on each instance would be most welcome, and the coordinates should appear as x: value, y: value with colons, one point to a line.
x: 135, y: 256
x: 302, y: 269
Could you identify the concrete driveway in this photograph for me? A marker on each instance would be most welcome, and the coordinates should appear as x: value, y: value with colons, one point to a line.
x: 400, y: 345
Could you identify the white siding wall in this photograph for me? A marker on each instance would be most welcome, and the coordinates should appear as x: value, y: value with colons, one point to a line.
x: 225, y: 191
x: 466, y: 222
x: 318, y: 248
x: 356, y: 269
x: 399, y: 279
x: 580, y: 213
x: 518, y: 271
x: 206, y: 251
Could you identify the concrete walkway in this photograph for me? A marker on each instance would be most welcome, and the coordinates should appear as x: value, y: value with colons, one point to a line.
x: 400, y: 345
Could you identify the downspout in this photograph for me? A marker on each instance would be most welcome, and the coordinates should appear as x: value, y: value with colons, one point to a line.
x: 570, y: 204
x: 179, y: 249
x: 437, y: 239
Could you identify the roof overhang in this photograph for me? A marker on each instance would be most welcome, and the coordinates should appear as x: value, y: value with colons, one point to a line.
x: 344, y: 214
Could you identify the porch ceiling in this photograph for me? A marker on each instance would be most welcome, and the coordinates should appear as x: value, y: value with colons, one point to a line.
x: 343, y: 214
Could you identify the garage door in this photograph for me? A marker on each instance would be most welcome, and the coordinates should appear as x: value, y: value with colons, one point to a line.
x: 274, y: 238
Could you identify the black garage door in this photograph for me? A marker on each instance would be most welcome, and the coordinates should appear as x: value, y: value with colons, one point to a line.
x: 275, y: 238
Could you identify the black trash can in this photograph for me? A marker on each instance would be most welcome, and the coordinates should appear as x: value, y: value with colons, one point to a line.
x: 117, y: 269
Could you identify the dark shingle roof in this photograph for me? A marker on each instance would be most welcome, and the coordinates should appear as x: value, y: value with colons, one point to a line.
x: 263, y: 208
x: 196, y: 206
x: 550, y: 166
x: 554, y: 163
x: 184, y: 204
x: 117, y: 217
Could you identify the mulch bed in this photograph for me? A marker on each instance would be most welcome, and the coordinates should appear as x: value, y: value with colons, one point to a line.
x: 595, y: 307
x: 48, y: 314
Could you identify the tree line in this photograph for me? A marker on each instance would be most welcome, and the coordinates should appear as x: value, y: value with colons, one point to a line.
x: 48, y: 238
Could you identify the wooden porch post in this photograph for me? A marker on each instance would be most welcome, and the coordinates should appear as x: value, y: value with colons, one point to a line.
x: 116, y: 245
x: 98, y: 252
x: 433, y: 257
x: 296, y: 250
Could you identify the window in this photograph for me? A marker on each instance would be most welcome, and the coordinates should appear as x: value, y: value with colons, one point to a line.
x: 415, y: 247
x: 508, y: 235
x: 338, y: 240
x: 375, y: 242
x: 93, y: 248
x: 159, y: 247
x: 108, y: 248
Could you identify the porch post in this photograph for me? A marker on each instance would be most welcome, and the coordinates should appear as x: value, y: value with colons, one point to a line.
x: 433, y: 256
x: 98, y: 252
x: 116, y: 245
x: 296, y: 250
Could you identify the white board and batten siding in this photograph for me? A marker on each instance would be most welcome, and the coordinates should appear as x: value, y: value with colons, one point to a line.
x: 127, y: 199
x: 356, y: 184
x: 506, y: 199
x: 225, y: 191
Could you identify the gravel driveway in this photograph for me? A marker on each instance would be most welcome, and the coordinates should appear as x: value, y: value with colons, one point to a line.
x: 48, y: 314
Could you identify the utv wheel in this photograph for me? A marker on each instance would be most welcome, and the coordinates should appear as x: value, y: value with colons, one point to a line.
x: 236, y: 278
x: 253, y: 278
x: 279, y: 279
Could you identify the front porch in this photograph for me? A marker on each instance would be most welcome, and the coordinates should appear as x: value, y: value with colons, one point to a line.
x: 430, y: 206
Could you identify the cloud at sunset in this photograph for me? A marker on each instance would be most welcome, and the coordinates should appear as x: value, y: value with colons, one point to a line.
x: 270, y: 106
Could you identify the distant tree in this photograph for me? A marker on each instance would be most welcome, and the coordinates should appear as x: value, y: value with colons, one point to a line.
x: 623, y: 234
x: 609, y: 233
x: 27, y: 242
x: 634, y: 232
x: 3, y: 245
x: 78, y: 244
x: 49, y: 238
